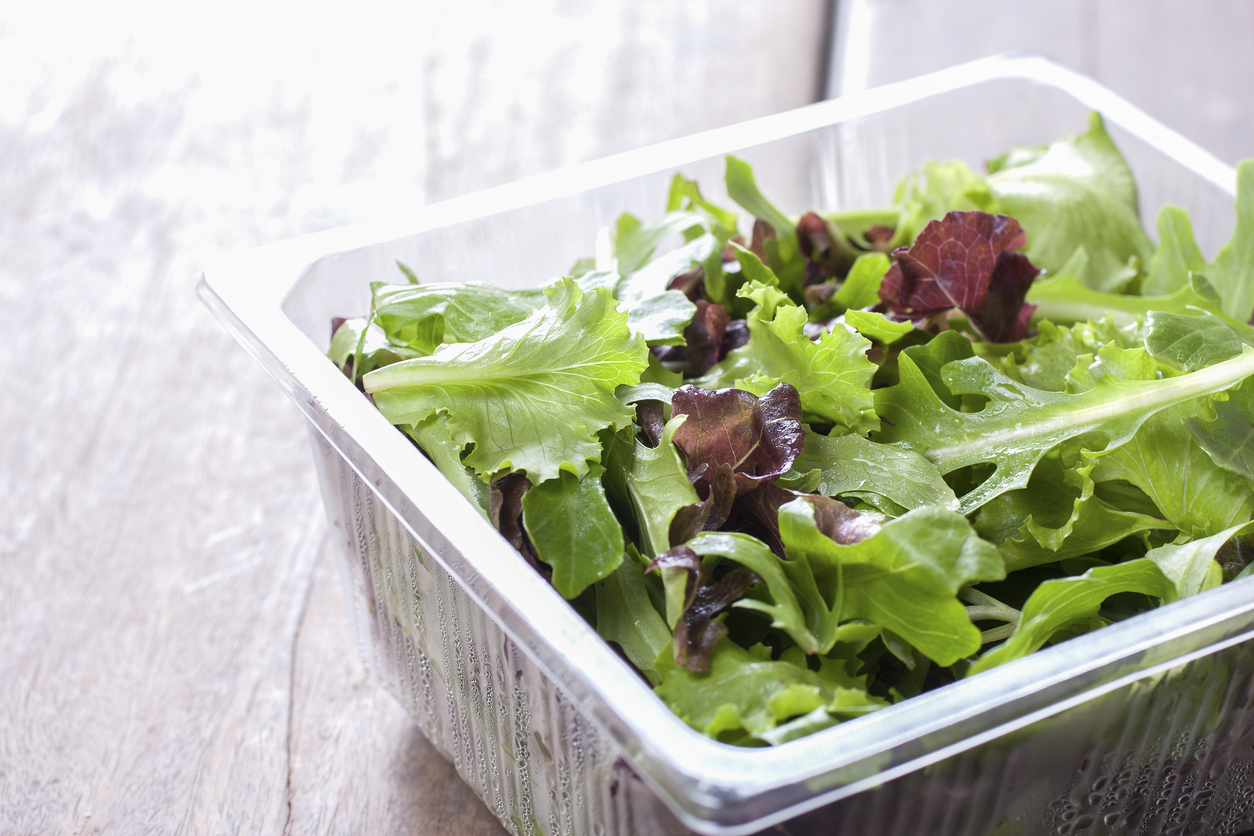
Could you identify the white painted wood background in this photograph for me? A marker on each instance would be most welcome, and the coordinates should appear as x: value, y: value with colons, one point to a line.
x: 174, y: 650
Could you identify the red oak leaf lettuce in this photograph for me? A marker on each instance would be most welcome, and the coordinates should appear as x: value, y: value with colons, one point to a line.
x: 965, y: 260
x: 758, y: 438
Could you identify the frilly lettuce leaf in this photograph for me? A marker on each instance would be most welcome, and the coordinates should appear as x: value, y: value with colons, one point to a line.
x: 966, y: 260
x: 531, y: 397
x: 756, y: 438
x: 941, y: 187
x: 832, y: 375
x: 746, y: 694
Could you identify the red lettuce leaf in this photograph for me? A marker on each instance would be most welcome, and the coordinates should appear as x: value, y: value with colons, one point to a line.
x: 758, y: 438
x: 711, y: 513
x: 697, y: 632
x: 703, y: 341
x: 965, y: 260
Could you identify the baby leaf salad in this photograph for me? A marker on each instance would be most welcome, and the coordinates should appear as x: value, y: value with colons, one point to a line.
x: 796, y: 469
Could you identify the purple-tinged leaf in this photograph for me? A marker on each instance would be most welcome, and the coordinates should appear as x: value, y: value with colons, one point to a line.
x: 758, y: 512
x: 827, y: 251
x: 682, y: 557
x: 710, y: 513
x: 652, y: 420
x: 735, y: 335
x: 757, y: 437
x: 703, y: 341
x: 697, y: 632
x: 965, y: 260
x: 505, y: 511
x: 691, y: 284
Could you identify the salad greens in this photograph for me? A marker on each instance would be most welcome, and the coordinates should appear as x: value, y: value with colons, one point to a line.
x: 800, y: 468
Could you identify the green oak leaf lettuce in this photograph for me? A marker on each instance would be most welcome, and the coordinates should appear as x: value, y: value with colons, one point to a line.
x: 1019, y: 424
x: 533, y: 396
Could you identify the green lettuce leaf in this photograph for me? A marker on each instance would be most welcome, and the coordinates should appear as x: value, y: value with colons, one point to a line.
x: 782, y: 252
x: 891, y: 480
x: 832, y: 375
x: 658, y: 486
x: 1064, y: 299
x: 436, y: 440
x: 1078, y: 191
x: 746, y: 695
x: 1192, y: 567
x: 573, y: 529
x: 364, y: 343
x: 1168, y: 573
x: 1177, y: 255
x: 1019, y: 424
x: 941, y: 187
x: 862, y: 286
x: 904, y: 579
x: 532, y: 397
x: 1232, y: 272
x: 422, y: 316
x: 1228, y: 438
x: 626, y: 616
x: 1073, y: 604
x: 1190, y: 342
x: 1196, y: 495
x: 1057, y: 517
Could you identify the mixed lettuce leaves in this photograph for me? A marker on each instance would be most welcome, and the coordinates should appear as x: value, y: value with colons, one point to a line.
x: 796, y: 469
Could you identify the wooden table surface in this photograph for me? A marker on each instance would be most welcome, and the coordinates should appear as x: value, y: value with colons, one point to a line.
x: 175, y: 654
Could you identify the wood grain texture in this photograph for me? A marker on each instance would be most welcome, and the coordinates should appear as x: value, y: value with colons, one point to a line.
x: 169, y: 659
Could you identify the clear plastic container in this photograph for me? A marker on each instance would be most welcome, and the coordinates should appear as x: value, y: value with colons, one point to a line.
x: 1143, y: 727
